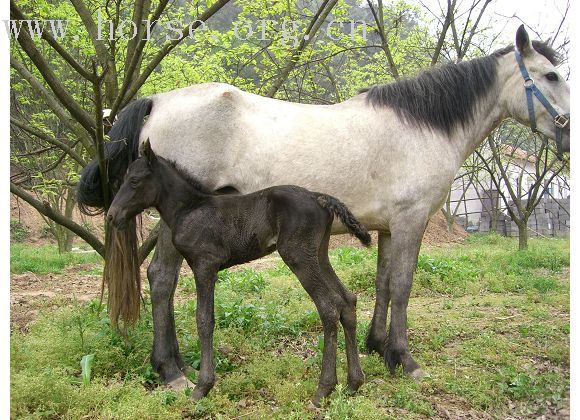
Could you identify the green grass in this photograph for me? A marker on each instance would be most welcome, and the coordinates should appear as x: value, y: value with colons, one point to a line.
x: 45, y: 259
x: 488, y: 323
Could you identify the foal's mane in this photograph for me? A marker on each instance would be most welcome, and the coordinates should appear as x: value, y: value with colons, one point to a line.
x: 442, y: 97
x: 191, y: 180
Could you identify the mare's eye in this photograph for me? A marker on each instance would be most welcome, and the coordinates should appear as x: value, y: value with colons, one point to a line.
x: 134, y: 182
x: 552, y: 77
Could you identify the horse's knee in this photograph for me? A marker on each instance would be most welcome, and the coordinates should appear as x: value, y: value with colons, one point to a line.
x: 329, y: 313
x: 350, y: 299
x: 161, y: 285
x: 348, y: 316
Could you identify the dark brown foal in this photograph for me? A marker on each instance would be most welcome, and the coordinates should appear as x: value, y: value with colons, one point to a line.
x: 214, y: 232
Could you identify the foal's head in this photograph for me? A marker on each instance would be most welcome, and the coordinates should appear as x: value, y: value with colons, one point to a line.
x: 140, y: 189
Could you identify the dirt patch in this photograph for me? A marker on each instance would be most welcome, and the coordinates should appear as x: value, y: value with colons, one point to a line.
x: 437, y: 232
x: 450, y: 406
x: 30, y: 293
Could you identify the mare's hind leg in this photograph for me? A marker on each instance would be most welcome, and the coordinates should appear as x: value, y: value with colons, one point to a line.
x: 406, y: 242
x: 377, y: 334
x: 163, y: 273
x: 301, y: 258
x: 355, y: 376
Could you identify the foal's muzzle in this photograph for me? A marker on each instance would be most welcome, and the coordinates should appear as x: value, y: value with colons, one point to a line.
x: 116, y: 218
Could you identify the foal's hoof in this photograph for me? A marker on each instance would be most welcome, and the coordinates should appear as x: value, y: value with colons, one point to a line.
x: 180, y: 383
x: 313, y: 407
x: 418, y: 374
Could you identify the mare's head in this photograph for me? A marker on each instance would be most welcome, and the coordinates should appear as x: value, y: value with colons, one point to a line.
x: 140, y: 189
x: 551, y: 116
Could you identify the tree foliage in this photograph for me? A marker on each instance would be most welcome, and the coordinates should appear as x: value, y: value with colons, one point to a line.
x: 303, y: 51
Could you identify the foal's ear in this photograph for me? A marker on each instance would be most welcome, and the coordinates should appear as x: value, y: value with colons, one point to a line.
x: 523, y: 43
x: 146, y: 151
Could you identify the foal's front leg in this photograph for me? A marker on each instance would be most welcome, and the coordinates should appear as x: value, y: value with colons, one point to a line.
x: 163, y: 273
x: 205, y: 279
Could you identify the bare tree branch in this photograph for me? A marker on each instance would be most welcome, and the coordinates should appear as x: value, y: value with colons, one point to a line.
x: 52, y: 103
x: 306, y: 39
x: 107, y: 60
x: 41, y: 135
x: 54, y: 83
x: 127, y: 93
x: 18, y: 14
x: 446, y: 23
x: 379, y: 20
x: 45, y: 209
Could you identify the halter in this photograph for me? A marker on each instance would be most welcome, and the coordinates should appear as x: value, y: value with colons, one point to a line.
x: 560, y: 120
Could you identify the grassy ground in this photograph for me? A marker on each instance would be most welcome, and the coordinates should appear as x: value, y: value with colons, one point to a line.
x: 488, y: 323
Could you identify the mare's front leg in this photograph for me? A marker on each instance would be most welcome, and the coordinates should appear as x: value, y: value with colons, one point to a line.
x: 205, y: 279
x: 377, y: 334
x: 406, y: 236
x: 163, y: 273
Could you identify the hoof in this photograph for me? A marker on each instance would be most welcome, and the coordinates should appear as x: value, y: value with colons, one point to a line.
x: 313, y: 407
x: 373, y: 345
x: 198, y: 394
x: 180, y: 383
x: 355, y: 384
x: 201, y: 390
x: 418, y: 374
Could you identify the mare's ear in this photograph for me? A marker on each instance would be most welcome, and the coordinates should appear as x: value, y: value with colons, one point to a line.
x: 523, y: 43
x: 146, y: 151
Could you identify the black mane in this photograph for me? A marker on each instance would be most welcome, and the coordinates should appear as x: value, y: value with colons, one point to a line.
x: 191, y: 180
x: 445, y: 96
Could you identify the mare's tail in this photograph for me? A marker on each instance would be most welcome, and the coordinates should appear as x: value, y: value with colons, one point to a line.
x: 121, y: 271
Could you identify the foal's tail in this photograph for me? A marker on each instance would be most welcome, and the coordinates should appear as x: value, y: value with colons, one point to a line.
x: 338, y: 208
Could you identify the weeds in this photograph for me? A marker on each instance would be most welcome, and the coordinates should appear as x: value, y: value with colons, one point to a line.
x: 45, y: 259
x: 489, y: 324
x: 18, y: 231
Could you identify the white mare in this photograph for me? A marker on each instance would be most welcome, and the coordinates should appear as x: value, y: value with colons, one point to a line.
x: 389, y: 163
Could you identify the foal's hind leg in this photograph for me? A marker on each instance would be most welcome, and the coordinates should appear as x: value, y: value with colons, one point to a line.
x: 304, y: 265
x: 355, y: 377
x: 163, y: 273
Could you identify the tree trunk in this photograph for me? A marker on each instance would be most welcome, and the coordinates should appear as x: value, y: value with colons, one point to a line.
x: 493, y: 222
x: 523, y: 234
x: 68, y: 213
x: 449, y: 217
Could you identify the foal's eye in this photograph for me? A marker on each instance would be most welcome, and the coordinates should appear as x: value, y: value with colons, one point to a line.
x: 552, y: 77
x: 134, y: 182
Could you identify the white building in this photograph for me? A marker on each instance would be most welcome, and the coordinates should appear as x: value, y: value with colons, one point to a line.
x: 473, y: 191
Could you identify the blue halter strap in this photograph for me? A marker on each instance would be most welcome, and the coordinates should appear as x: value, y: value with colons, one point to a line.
x: 560, y: 120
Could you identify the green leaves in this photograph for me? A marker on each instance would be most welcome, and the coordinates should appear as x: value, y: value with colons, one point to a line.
x: 86, y: 367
